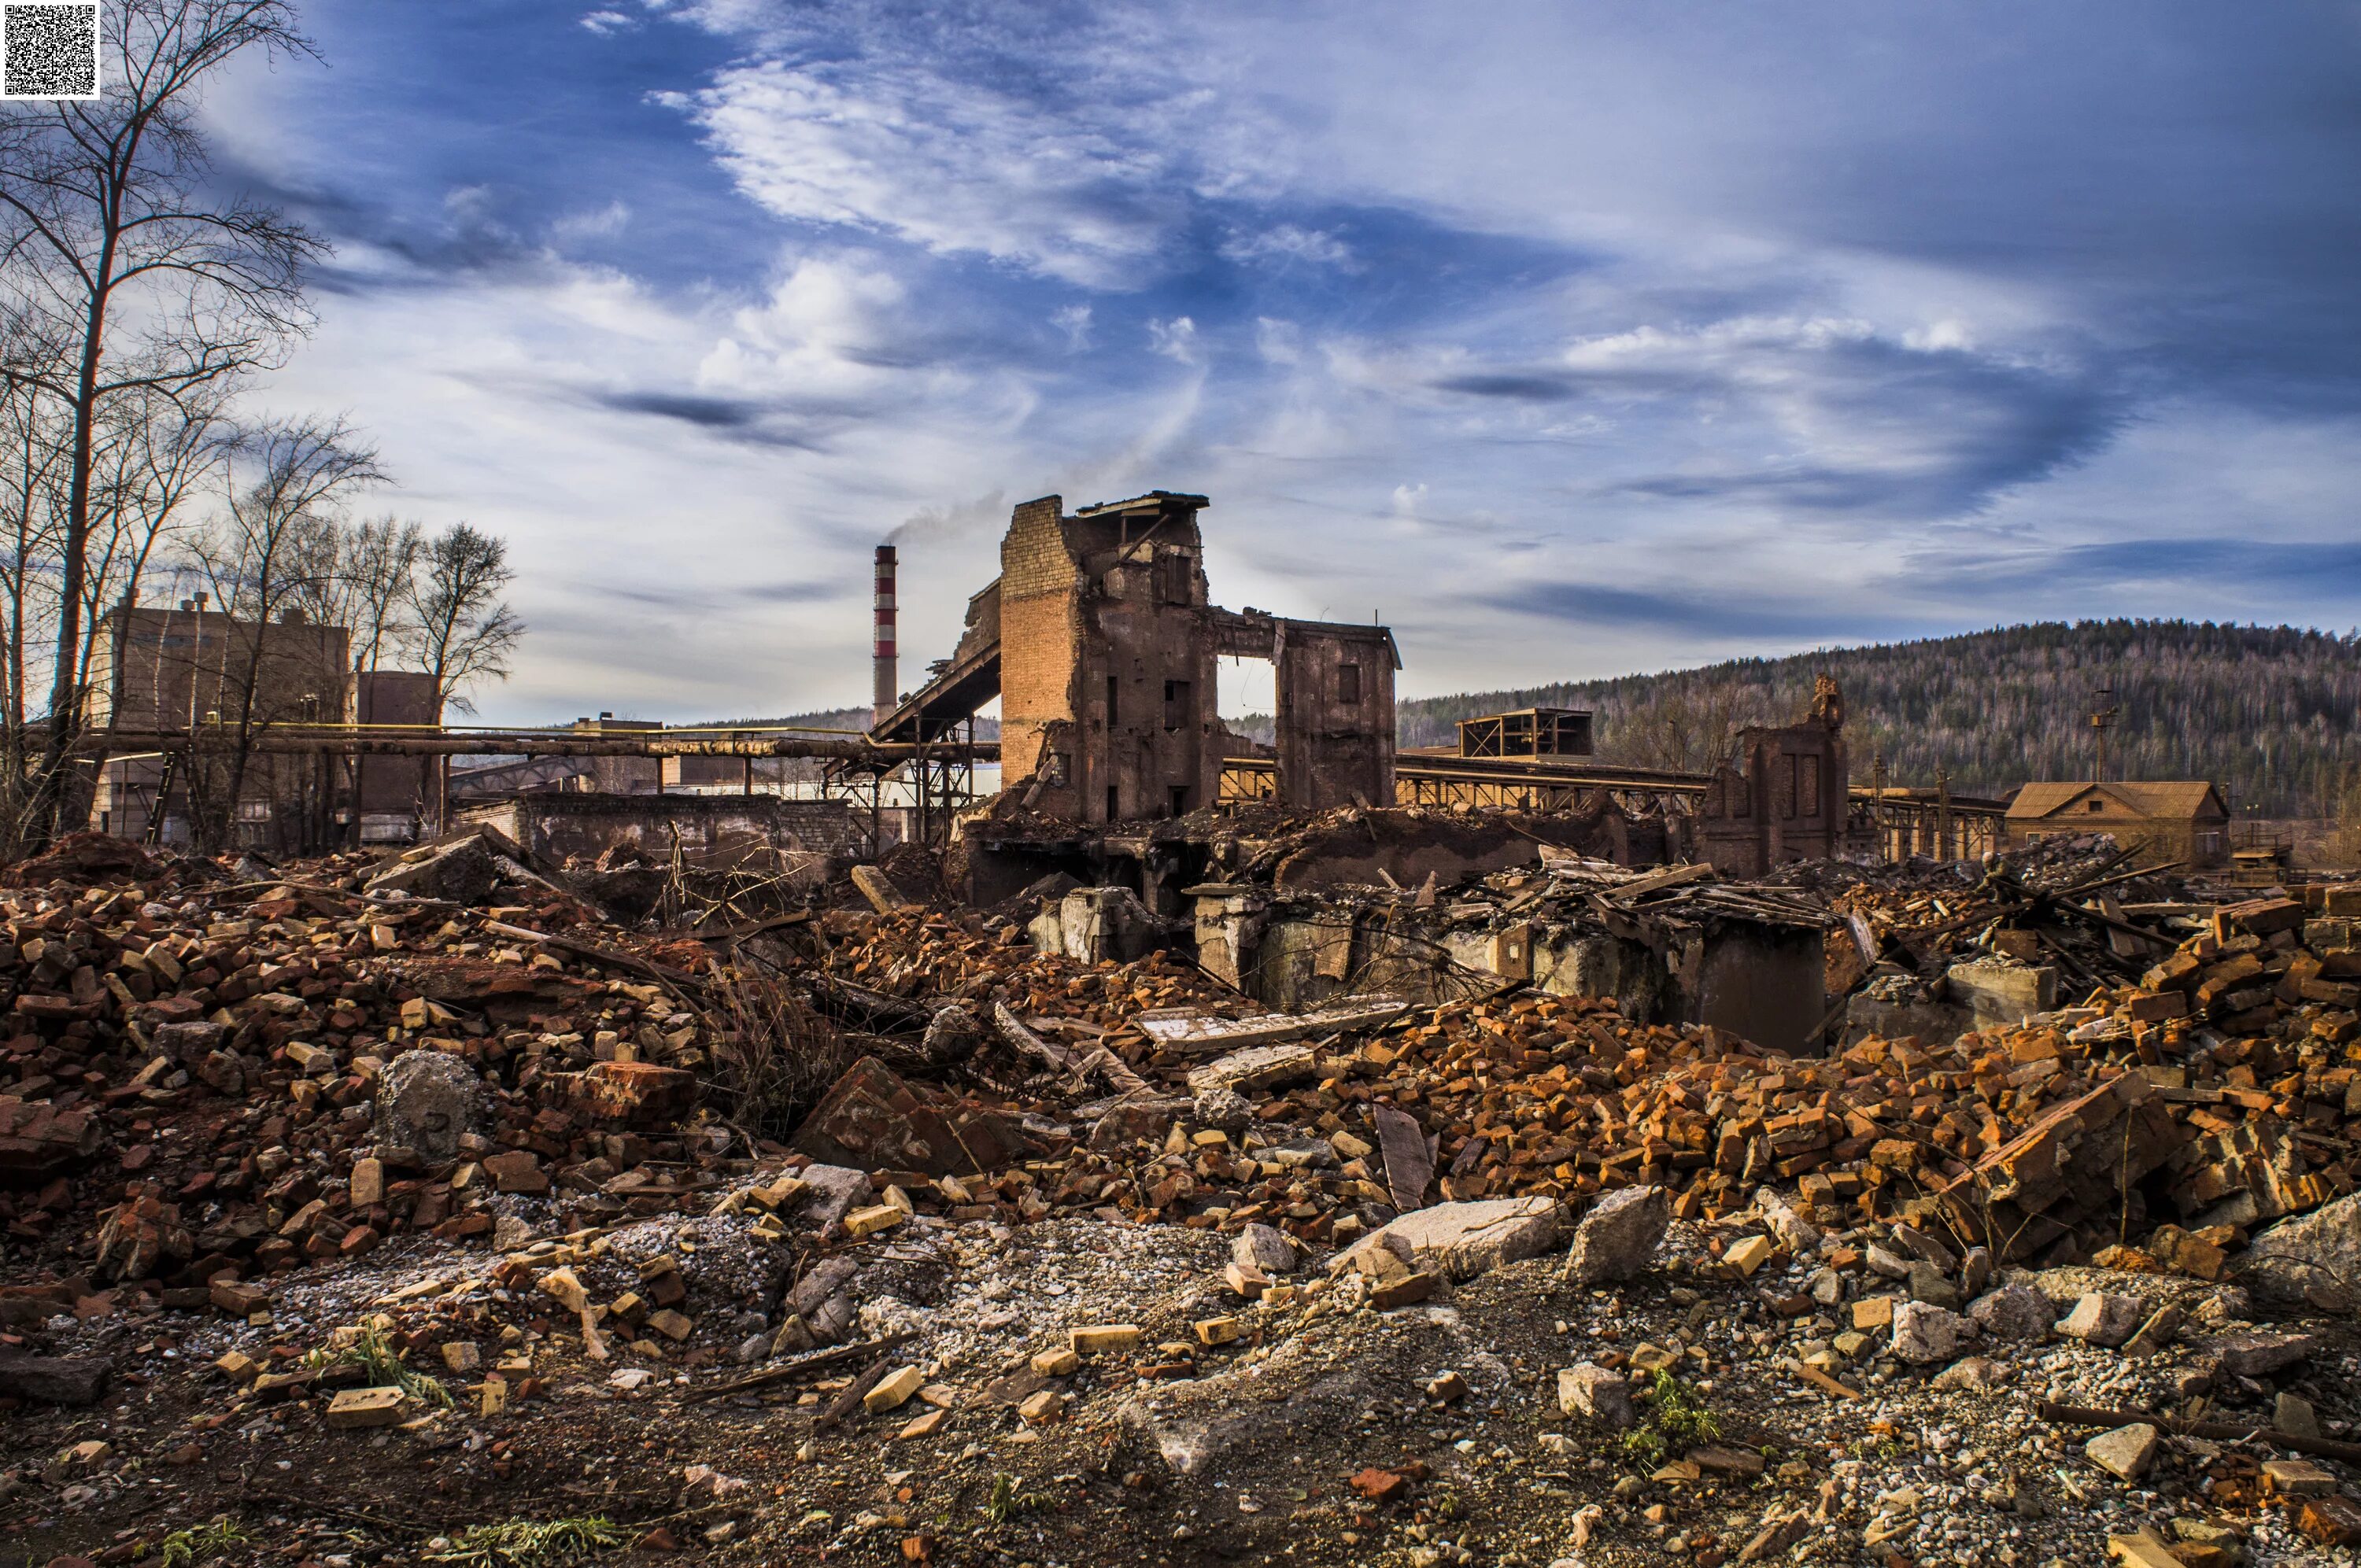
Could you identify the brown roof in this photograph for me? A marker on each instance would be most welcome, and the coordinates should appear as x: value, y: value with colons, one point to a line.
x: 2178, y: 798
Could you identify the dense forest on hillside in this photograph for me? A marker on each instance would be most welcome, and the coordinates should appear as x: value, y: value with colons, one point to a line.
x: 2269, y: 713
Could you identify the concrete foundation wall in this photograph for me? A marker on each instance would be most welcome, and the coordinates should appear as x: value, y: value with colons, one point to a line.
x: 709, y: 831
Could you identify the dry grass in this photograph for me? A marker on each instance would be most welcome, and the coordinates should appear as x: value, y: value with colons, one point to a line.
x: 775, y: 1057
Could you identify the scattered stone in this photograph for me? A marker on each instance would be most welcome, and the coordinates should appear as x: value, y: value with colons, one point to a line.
x: 1264, y: 1248
x: 427, y: 1100
x: 1595, y: 1394
x: 2127, y: 1451
x: 2103, y: 1319
x: 2013, y: 1312
x: 1923, y: 1333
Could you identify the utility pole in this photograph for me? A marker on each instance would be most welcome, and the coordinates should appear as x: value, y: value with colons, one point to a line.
x: 2104, y: 718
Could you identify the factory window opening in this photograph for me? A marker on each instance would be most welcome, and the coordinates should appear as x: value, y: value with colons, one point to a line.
x: 1179, y: 800
x: 1174, y: 574
x: 1115, y: 685
x: 1176, y: 704
x: 2098, y: 806
x: 1114, y: 813
x: 1348, y: 685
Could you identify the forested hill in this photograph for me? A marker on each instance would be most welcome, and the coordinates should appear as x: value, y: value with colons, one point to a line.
x: 2269, y: 713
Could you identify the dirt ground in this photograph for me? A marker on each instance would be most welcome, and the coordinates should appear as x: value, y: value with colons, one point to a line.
x: 1168, y: 1451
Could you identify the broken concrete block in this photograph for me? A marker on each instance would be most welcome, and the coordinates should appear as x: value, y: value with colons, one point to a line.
x: 426, y: 1102
x: 674, y: 1326
x: 1462, y: 1240
x: 461, y: 1355
x: 381, y: 1407
x: 1217, y: 1330
x: 2125, y: 1452
x: 462, y: 870
x: 2298, y: 1478
x: 878, y: 889
x: 2261, y: 1354
x: 1923, y: 1334
x: 54, y: 1379
x: 1101, y: 1338
x: 1620, y: 1235
x: 2002, y: 992
x: 367, y: 1185
x: 1042, y: 1407
x: 1258, y: 1068
x: 1595, y: 1394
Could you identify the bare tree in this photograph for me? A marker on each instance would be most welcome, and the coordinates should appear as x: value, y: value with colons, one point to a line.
x: 266, y: 661
x: 464, y: 631
x: 378, y: 586
x: 109, y: 232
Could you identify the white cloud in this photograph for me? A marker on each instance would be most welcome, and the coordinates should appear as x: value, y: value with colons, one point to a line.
x: 1074, y: 322
x: 951, y: 165
x: 824, y: 331
x: 1289, y: 243
x: 1174, y: 339
x: 1278, y: 342
x: 604, y: 223
x: 606, y: 23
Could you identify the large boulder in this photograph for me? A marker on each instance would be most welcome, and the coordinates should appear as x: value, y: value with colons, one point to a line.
x: 1462, y: 1240
x: 2311, y: 1260
x: 426, y: 1102
x: 1620, y: 1235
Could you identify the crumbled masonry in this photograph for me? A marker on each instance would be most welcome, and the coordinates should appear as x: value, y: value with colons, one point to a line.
x: 846, y: 1222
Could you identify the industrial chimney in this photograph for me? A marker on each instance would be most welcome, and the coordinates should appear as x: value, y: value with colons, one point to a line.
x: 887, y: 695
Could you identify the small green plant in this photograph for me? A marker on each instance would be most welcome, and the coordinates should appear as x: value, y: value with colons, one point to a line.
x: 1677, y: 1421
x: 523, y: 1544
x: 1007, y: 1503
x: 200, y: 1543
x: 382, y: 1365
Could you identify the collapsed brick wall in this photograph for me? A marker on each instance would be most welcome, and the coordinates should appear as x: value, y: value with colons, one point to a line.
x: 1041, y: 627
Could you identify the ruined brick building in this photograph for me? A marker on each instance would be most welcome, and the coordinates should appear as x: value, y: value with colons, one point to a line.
x: 1102, y: 643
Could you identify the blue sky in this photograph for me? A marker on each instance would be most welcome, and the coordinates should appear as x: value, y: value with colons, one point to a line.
x: 1572, y: 339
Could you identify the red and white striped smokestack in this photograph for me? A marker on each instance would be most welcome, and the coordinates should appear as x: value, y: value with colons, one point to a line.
x: 887, y: 693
